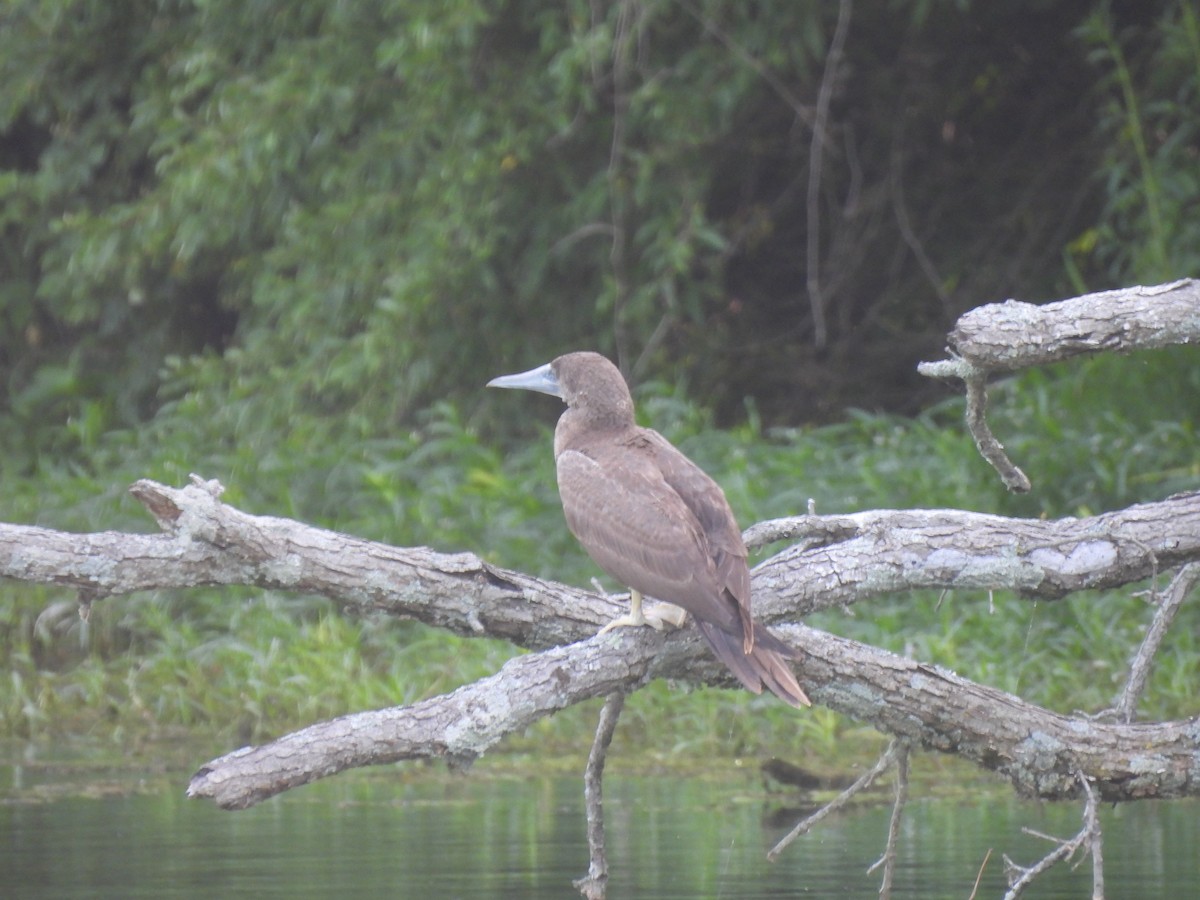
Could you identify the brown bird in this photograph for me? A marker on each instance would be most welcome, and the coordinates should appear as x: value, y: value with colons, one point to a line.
x: 652, y: 519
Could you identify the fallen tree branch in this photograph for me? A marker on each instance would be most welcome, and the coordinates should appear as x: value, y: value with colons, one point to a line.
x: 1039, y: 751
x: 208, y: 542
x: 457, y: 727
x: 852, y: 558
x: 1005, y: 337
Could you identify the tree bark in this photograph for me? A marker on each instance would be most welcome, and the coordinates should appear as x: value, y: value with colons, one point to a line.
x: 840, y: 560
x: 832, y: 561
x: 1003, y: 337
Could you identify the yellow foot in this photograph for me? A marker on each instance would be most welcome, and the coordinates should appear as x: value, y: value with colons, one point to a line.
x: 660, y: 617
x: 630, y: 621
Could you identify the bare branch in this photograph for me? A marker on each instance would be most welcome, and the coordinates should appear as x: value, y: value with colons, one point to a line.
x: 816, y: 155
x: 1037, y: 750
x: 895, y: 183
x: 807, y: 532
x: 209, y: 542
x: 1004, y: 337
x: 1088, y: 838
x: 1091, y: 824
x: 595, y: 883
x: 888, y: 860
x: 979, y: 875
x: 777, y: 84
x: 840, y: 560
x: 864, y: 781
x: 457, y: 727
x: 985, y: 442
x: 989, y: 448
x: 1139, y: 668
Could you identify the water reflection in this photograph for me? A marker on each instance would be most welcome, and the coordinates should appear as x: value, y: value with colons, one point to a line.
x: 398, y: 834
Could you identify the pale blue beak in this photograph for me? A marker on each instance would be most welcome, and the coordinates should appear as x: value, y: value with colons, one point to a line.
x: 540, y: 379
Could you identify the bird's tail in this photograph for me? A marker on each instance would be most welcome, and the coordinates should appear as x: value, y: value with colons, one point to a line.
x: 764, y: 666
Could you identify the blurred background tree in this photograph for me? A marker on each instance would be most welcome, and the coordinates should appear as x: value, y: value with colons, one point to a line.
x: 285, y: 244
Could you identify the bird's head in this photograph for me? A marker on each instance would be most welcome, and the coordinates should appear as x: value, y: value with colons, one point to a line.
x: 585, y: 381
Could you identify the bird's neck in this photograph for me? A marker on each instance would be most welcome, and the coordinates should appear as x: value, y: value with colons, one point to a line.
x: 577, y: 426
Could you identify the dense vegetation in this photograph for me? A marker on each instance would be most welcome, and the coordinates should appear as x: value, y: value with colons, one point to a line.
x: 283, y: 245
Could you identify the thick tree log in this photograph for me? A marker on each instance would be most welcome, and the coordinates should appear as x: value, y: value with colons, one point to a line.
x: 1040, y: 752
x: 845, y: 558
x: 1005, y: 337
x: 457, y: 727
x: 837, y: 561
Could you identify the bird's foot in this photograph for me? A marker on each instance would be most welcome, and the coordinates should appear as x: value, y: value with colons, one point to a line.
x: 658, y: 618
x: 629, y: 621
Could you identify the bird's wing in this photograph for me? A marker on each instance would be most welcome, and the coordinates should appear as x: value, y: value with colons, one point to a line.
x: 708, y: 505
x: 640, y: 531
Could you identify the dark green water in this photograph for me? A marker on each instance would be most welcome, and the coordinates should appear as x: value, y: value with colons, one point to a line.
x: 394, y: 833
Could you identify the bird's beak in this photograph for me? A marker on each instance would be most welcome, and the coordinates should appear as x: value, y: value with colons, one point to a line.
x: 540, y: 379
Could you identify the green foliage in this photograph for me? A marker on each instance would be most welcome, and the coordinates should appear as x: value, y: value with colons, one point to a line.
x: 252, y: 664
x: 284, y: 245
x: 1151, y: 119
x: 354, y: 210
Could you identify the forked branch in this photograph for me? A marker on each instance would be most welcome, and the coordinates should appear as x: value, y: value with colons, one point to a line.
x: 208, y: 542
x: 1005, y: 337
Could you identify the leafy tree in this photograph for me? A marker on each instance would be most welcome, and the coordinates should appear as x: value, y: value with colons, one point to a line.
x: 352, y: 209
x: 286, y: 243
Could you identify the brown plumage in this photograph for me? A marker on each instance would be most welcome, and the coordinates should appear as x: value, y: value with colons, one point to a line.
x: 652, y: 519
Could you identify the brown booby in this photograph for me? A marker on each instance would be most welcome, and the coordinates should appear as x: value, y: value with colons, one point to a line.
x: 653, y: 520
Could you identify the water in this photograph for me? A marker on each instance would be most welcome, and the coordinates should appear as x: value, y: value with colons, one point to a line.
x: 414, y: 832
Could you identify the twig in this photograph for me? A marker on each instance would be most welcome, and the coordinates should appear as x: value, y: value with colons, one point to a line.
x: 864, y: 781
x: 975, y: 379
x: 1095, y: 840
x: 1089, y: 838
x: 815, y: 157
x: 595, y: 883
x: 1005, y: 337
x: 1139, y: 668
x: 764, y: 72
x: 900, y: 210
x: 888, y: 860
x: 990, y: 448
x: 979, y: 874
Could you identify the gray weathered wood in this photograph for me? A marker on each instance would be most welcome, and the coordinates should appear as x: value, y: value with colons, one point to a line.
x: 839, y: 560
x: 1014, y: 335
x: 1004, y: 337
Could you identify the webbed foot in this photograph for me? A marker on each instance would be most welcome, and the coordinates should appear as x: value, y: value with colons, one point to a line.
x: 660, y: 617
